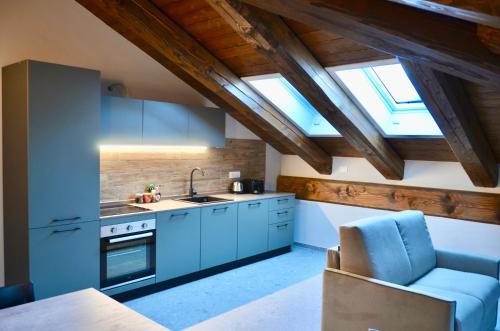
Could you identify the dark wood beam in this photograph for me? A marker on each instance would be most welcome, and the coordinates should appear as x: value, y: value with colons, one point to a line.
x: 445, y: 43
x: 473, y: 206
x: 270, y: 35
x: 486, y: 12
x: 146, y: 26
x: 447, y: 100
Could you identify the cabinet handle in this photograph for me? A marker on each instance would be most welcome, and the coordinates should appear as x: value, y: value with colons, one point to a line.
x: 223, y: 208
x: 282, y: 213
x: 76, y: 218
x: 282, y: 226
x: 69, y: 230
x: 282, y: 200
x: 178, y: 215
x: 254, y: 204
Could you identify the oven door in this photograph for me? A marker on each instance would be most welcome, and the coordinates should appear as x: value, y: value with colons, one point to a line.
x: 127, y: 259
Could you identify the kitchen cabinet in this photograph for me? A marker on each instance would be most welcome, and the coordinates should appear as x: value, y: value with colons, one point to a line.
x: 218, y: 234
x: 206, y: 127
x: 165, y: 123
x: 281, y: 203
x: 252, y: 228
x: 280, y: 235
x: 281, y: 215
x: 177, y: 243
x: 51, y: 123
x: 121, y: 121
x: 64, y: 258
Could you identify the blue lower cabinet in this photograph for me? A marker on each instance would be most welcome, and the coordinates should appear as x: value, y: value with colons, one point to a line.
x: 177, y: 243
x: 252, y: 228
x: 218, y: 234
x: 280, y: 235
x: 64, y: 258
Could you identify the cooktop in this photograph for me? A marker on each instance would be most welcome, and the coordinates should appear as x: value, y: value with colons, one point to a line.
x: 120, y: 209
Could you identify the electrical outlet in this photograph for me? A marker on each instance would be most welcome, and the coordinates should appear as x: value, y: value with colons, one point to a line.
x: 234, y: 174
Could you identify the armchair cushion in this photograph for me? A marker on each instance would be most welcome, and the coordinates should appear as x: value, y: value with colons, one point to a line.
x: 417, y: 241
x: 373, y: 248
x: 461, y: 261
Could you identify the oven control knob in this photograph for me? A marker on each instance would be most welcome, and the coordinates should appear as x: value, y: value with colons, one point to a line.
x: 129, y: 228
x: 113, y: 230
x: 144, y: 225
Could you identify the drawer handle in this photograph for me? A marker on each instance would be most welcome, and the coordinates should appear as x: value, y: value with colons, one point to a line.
x: 282, y: 200
x: 76, y: 218
x: 179, y: 215
x: 217, y: 209
x: 69, y: 230
x: 254, y: 204
x: 282, y: 226
x: 282, y: 213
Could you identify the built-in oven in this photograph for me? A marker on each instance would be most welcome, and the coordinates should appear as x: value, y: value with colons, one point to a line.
x: 127, y: 253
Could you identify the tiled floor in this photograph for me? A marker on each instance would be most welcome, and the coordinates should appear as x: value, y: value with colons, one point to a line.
x: 192, y: 303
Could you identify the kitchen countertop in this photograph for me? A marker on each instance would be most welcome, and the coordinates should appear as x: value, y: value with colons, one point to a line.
x: 172, y: 204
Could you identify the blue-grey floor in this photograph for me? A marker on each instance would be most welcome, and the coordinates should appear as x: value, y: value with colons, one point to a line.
x: 192, y: 303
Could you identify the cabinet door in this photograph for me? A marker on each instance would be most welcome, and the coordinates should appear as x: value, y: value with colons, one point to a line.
x: 207, y: 126
x: 177, y: 243
x: 252, y: 228
x: 64, y: 116
x: 64, y: 258
x: 218, y: 235
x: 165, y: 123
x: 121, y: 121
x: 280, y: 235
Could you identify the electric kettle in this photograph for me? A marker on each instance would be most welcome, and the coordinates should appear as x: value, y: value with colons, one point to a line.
x: 237, y: 187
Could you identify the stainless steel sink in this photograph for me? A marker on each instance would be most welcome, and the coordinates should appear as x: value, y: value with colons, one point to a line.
x: 203, y: 199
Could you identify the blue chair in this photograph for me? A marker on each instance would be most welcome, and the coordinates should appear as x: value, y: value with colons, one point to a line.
x: 14, y: 295
x: 388, y: 276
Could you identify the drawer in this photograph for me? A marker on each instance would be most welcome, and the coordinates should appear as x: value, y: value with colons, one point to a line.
x: 282, y: 202
x: 280, y: 235
x: 282, y: 215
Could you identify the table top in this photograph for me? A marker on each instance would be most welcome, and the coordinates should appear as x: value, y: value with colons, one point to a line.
x: 77, y: 311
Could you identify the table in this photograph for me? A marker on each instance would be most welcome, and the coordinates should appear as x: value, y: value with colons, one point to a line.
x: 82, y: 310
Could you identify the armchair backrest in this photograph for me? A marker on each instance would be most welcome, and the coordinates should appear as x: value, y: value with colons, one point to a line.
x: 395, y: 247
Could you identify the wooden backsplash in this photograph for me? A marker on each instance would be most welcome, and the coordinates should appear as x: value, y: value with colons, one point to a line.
x: 124, y: 174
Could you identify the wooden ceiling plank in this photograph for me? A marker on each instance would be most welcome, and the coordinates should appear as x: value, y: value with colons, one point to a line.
x: 484, y: 12
x: 445, y: 43
x: 145, y: 25
x: 270, y: 36
x: 449, y: 103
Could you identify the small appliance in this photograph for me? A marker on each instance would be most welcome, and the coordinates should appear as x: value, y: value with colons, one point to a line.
x: 237, y: 187
x: 253, y: 186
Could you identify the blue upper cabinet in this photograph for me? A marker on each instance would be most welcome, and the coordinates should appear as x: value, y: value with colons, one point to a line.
x: 121, y: 121
x: 207, y: 126
x: 165, y: 123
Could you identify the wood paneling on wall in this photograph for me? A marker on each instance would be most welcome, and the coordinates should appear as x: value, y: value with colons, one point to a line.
x: 124, y: 174
x: 479, y: 207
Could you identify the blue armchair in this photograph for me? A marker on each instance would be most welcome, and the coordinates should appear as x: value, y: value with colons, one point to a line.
x: 388, y: 276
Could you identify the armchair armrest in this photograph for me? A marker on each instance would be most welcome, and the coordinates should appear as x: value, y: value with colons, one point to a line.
x: 466, y: 262
x: 333, y: 257
x: 353, y: 302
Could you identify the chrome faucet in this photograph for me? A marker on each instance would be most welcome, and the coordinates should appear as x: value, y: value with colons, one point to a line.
x: 192, y: 192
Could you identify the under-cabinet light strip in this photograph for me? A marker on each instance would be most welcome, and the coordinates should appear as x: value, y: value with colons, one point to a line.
x: 153, y: 148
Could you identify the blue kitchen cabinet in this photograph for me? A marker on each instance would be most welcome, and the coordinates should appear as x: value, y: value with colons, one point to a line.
x: 218, y: 234
x: 280, y: 235
x: 282, y: 202
x: 177, y: 243
x: 252, y: 228
x: 64, y: 258
x: 165, y: 123
x: 121, y: 121
x: 207, y: 127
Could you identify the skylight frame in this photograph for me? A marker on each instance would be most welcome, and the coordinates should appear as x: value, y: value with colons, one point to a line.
x: 369, y: 116
x: 297, y: 97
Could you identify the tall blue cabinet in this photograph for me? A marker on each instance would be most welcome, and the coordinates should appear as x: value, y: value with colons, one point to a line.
x: 51, y: 127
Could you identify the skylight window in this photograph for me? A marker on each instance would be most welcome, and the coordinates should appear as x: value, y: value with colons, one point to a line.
x: 292, y: 104
x: 387, y: 95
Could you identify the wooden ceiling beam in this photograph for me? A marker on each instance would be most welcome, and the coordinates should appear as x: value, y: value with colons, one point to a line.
x: 146, y: 26
x: 445, y: 43
x: 270, y: 36
x: 485, y: 12
x: 447, y: 100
